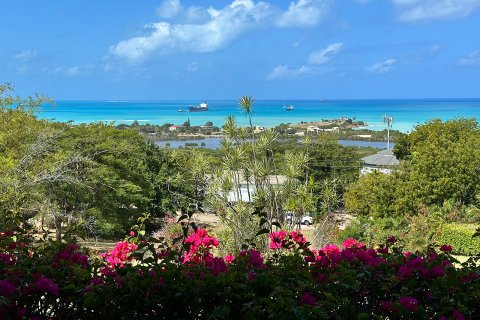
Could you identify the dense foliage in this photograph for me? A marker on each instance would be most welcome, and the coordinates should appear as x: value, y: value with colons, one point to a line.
x: 435, y: 190
x: 139, y: 279
x: 461, y: 236
x: 441, y: 163
x: 86, y: 179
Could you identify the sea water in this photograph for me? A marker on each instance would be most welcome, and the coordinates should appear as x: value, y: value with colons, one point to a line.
x: 268, y: 113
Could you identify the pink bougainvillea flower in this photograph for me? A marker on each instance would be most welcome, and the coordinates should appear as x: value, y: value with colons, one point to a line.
x: 457, y: 315
x: 409, y: 303
x: 349, y: 243
x: 6, y: 288
x: 216, y: 265
x: 256, y: 258
x: 446, y: 248
x: 308, y: 299
x: 8, y: 259
x: 388, y: 306
x: 120, y: 254
x: 436, y: 272
x: 201, y: 244
x: 277, y: 239
x: 329, y: 249
x: 132, y: 234
x: 47, y: 285
x: 70, y: 255
x: 298, y: 237
x: 229, y: 258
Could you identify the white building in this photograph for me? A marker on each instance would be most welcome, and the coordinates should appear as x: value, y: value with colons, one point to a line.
x: 244, y: 188
x: 258, y: 129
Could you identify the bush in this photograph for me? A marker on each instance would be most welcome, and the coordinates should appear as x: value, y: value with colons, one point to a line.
x: 374, y: 231
x: 139, y: 279
x: 460, y: 236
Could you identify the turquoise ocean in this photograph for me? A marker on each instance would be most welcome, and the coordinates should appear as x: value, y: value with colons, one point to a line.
x: 268, y: 113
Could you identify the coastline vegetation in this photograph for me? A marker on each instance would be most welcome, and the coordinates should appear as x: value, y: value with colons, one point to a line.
x: 345, y: 129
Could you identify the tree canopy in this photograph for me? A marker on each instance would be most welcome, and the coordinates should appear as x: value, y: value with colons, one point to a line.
x: 441, y: 162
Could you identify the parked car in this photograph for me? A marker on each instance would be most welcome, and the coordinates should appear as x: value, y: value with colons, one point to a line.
x: 307, y: 219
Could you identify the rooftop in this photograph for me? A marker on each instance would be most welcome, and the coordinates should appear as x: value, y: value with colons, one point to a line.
x: 383, y: 158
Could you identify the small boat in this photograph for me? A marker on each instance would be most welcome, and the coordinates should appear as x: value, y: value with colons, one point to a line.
x: 181, y: 110
x: 290, y: 108
x: 202, y: 107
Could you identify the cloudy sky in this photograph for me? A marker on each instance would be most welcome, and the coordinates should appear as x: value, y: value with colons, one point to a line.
x: 180, y: 49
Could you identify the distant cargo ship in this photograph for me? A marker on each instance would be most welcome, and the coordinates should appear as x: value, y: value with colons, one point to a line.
x: 202, y: 107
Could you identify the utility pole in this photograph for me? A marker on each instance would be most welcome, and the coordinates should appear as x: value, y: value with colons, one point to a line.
x: 389, y: 121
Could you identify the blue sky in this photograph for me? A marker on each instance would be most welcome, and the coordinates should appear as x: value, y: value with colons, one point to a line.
x: 303, y: 49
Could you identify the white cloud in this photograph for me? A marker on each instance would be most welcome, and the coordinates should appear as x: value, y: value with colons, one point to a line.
x: 207, y: 30
x: 69, y: 71
x: 304, y: 13
x: 169, y: 9
x: 471, y: 59
x: 427, y: 10
x: 324, y: 55
x: 285, y: 72
x: 174, y: 10
x: 382, y: 67
x: 26, y: 55
x: 21, y: 61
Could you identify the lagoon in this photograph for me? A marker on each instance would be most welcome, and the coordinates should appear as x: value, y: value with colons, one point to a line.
x: 214, y: 143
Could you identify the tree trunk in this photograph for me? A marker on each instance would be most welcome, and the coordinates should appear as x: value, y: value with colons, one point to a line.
x: 58, y: 229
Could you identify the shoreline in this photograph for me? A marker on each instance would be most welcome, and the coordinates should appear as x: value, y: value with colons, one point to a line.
x: 406, y: 113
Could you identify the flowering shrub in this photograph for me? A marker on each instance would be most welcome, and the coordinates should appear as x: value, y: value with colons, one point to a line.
x: 141, y: 279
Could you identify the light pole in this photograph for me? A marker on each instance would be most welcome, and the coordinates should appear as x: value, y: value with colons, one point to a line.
x: 389, y: 121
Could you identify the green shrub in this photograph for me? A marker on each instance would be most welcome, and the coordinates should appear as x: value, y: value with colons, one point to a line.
x: 374, y: 232
x: 460, y: 237
x: 423, y: 229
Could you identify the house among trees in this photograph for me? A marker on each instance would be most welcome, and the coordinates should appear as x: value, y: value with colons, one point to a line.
x: 383, y: 161
x: 240, y: 193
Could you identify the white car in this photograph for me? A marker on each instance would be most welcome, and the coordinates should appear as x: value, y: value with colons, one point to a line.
x: 307, y: 219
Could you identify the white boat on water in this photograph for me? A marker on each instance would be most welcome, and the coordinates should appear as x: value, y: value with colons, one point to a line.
x: 289, y: 108
x: 202, y: 107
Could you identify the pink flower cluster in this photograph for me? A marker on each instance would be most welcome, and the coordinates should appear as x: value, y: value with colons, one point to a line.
x: 120, y: 254
x: 280, y: 239
x: 6, y: 288
x: 70, y: 255
x: 422, y: 267
x: 200, y: 251
x: 352, y: 243
x: 47, y: 285
x: 255, y: 258
x: 277, y: 239
x: 201, y: 244
x: 331, y: 255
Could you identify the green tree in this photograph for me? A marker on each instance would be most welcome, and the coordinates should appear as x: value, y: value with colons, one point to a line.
x: 441, y: 163
x: 372, y: 195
